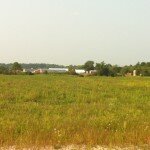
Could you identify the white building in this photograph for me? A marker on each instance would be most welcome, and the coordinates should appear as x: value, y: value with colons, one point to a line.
x: 60, y: 70
x: 79, y: 71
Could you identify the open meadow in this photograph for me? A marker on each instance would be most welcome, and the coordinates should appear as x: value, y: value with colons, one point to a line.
x: 63, y: 109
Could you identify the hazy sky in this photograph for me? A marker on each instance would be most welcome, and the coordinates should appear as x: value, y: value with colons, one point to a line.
x: 73, y: 31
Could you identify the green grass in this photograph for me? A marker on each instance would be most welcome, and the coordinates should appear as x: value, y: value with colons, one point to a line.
x: 62, y: 109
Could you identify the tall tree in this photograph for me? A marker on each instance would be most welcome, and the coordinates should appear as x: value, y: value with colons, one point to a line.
x: 89, y: 65
x: 16, y: 67
x: 71, y: 70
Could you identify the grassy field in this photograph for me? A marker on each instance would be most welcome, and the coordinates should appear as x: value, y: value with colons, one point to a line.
x: 62, y: 110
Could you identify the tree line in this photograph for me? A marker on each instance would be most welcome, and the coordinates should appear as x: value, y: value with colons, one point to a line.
x: 104, y: 69
x: 15, y: 68
x: 100, y: 69
x: 33, y: 65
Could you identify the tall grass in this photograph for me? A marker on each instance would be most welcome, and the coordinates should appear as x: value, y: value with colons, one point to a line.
x: 61, y: 109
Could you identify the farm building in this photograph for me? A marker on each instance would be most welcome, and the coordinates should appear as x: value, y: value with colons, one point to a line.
x: 79, y: 71
x: 59, y: 70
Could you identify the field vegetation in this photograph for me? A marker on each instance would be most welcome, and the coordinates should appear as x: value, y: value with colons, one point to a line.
x: 64, y: 109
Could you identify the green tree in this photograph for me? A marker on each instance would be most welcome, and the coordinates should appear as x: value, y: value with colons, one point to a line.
x: 71, y: 70
x: 106, y: 69
x: 102, y: 69
x: 4, y: 70
x: 127, y: 69
x: 16, y: 67
x: 99, y: 67
x: 89, y: 65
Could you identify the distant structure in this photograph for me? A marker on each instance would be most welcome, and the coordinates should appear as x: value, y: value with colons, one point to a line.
x: 134, y: 73
x: 28, y: 70
x: 93, y: 72
x: 24, y: 70
x: 79, y: 71
x: 39, y: 71
x: 57, y: 70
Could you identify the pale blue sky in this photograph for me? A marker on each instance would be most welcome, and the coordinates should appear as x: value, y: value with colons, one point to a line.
x: 74, y: 31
